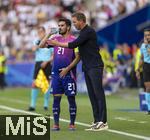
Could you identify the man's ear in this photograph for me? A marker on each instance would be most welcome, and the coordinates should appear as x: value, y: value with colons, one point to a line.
x: 68, y: 28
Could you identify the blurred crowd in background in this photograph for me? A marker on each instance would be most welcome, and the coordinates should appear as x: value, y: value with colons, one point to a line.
x: 119, y: 67
x: 20, y: 18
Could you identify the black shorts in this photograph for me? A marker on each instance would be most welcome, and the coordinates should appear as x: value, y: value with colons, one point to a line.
x: 47, y: 70
x: 146, y: 72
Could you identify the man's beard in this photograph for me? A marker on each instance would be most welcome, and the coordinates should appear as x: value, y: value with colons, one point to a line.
x: 62, y: 33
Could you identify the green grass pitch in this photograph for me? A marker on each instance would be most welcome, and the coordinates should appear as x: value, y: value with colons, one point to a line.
x: 124, y: 120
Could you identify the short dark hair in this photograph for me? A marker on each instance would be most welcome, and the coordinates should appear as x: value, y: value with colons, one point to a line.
x: 80, y: 16
x: 147, y: 30
x: 67, y: 21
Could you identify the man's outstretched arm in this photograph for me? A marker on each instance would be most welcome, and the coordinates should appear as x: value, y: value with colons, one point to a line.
x: 56, y: 43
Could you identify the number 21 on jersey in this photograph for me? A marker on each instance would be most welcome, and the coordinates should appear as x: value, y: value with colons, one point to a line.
x: 60, y: 50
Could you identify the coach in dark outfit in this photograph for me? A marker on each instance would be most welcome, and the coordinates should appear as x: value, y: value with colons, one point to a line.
x: 92, y: 67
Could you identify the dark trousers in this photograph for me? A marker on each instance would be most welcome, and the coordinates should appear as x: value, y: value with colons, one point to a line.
x: 2, y: 80
x: 93, y: 78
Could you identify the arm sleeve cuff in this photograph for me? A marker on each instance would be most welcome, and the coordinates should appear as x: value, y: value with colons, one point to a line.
x: 71, y: 46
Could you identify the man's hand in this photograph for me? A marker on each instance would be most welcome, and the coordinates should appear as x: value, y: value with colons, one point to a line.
x: 43, y: 65
x: 44, y: 40
x: 63, y: 72
x: 52, y: 31
x: 138, y: 74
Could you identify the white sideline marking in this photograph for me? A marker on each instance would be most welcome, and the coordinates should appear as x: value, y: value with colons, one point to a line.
x: 116, y: 118
x: 120, y: 118
x: 129, y: 120
x: 78, y: 123
x: 143, y: 122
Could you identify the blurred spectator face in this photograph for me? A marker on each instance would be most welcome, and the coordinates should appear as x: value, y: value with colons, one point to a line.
x: 41, y: 32
x: 147, y: 36
x: 63, y: 29
x: 76, y: 23
x: 119, y: 47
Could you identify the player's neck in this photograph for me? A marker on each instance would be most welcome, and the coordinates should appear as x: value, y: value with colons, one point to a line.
x: 66, y: 35
x: 83, y: 25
